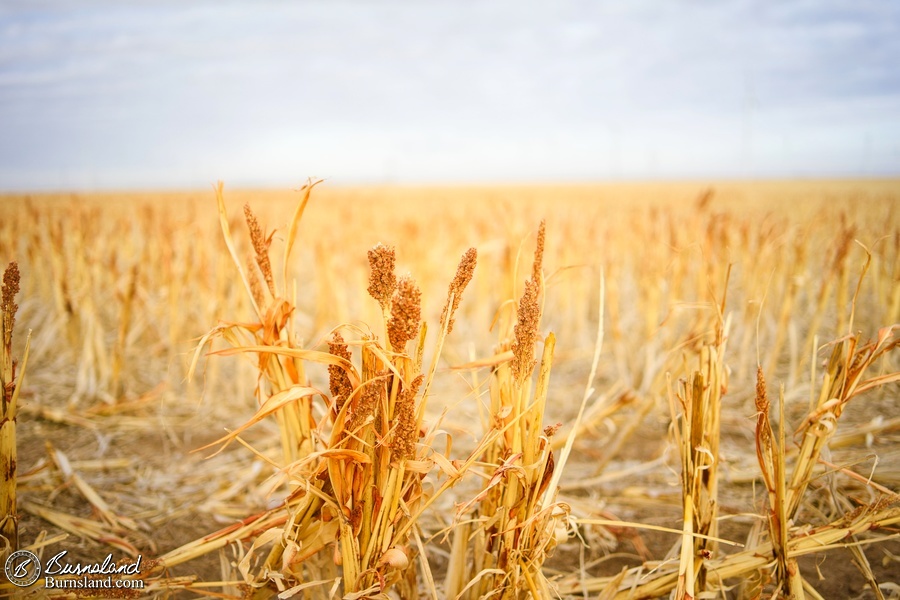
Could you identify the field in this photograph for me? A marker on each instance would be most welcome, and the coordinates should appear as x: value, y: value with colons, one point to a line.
x: 683, y: 390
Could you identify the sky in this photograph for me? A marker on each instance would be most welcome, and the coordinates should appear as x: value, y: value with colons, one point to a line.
x: 175, y: 94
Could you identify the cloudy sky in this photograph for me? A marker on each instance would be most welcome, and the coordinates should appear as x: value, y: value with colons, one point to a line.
x: 179, y: 94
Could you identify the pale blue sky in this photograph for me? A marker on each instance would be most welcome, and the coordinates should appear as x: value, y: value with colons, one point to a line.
x: 178, y: 94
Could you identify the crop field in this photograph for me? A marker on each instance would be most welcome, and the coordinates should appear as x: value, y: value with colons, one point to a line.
x: 672, y: 390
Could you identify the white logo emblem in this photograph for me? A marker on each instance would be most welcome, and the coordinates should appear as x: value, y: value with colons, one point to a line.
x: 22, y: 568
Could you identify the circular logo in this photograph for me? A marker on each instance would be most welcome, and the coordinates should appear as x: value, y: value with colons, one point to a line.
x: 22, y: 568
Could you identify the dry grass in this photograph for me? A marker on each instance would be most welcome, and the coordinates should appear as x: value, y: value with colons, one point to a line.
x: 365, y: 467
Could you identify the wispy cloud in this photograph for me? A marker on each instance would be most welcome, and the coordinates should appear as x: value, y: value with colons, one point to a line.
x: 159, y: 93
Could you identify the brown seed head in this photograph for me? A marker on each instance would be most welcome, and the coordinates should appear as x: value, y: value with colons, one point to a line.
x: 764, y: 442
x: 405, y: 435
x: 339, y: 382
x: 255, y: 286
x: 464, y: 272
x: 406, y: 313
x: 372, y: 396
x: 539, y: 254
x: 382, y: 280
x: 10, y: 287
x: 762, y: 396
x: 261, y: 247
x: 8, y: 304
x: 526, y: 331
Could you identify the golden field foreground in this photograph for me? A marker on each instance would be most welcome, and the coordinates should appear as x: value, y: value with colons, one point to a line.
x: 604, y: 391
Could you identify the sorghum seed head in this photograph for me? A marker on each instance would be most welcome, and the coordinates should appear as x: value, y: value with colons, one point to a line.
x: 382, y: 280
x: 261, y: 247
x: 406, y: 313
x: 526, y: 331
x: 405, y: 435
x: 539, y: 254
x: 338, y: 381
x: 464, y: 272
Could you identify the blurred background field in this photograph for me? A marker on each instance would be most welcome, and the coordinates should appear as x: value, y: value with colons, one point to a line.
x: 118, y: 288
